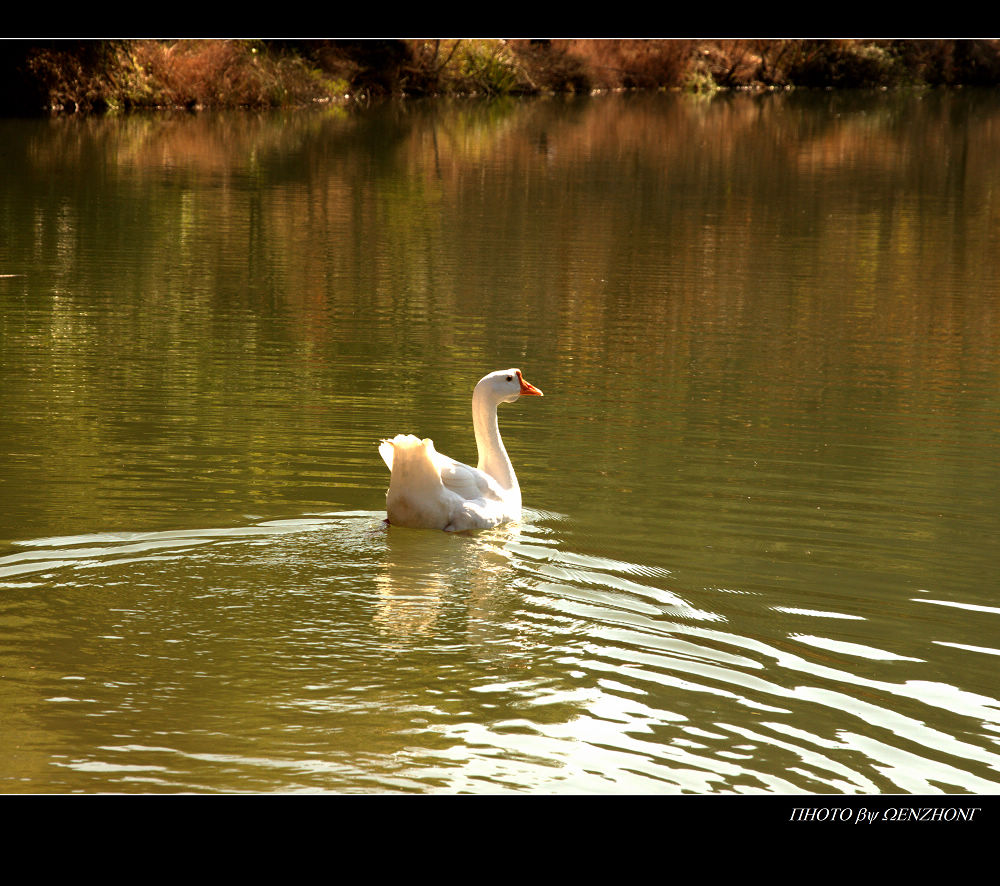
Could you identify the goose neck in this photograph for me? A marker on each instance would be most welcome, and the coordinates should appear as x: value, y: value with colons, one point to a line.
x: 493, y: 458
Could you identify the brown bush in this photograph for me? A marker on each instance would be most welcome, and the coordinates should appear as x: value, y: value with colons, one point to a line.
x: 96, y: 75
x: 211, y: 73
x: 631, y: 64
x: 71, y: 76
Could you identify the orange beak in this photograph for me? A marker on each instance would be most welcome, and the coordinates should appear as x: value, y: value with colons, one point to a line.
x: 527, y: 387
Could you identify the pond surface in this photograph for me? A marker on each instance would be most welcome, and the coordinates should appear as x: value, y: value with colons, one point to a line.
x: 760, y: 546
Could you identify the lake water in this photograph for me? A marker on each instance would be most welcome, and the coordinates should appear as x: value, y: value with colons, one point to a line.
x: 761, y: 540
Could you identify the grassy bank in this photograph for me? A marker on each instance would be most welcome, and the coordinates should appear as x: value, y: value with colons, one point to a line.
x: 136, y: 74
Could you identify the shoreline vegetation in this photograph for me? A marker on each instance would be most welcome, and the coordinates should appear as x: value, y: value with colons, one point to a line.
x: 130, y: 75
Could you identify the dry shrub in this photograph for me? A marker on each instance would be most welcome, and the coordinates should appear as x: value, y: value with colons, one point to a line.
x: 369, y: 68
x: 465, y: 66
x: 969, y: 62
x: 842, y: 63
x: 97, y: 75
x: 71, y: 75
x: 631, y: 64
x: 428, y: 66
x: 211, y: 73
x: 547, y: 66
x: 733, y: 64
x: 426, y: 63
x: 878, y: 63
x: 375, y: 67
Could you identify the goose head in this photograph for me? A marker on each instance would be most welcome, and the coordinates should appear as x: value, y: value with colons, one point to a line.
x: 505, y: 386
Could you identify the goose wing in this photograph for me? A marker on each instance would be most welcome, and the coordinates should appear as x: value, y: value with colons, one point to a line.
x: 466, y: 481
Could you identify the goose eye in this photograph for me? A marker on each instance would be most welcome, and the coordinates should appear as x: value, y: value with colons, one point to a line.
x: 510, y: 378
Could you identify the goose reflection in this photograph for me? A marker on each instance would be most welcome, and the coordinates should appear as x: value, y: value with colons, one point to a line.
x: 425, y: 573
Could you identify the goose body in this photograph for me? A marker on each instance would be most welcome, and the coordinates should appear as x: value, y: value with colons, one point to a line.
x: 428, y: 490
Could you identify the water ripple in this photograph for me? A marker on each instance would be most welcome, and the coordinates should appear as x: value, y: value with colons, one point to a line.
x: 330, y: 652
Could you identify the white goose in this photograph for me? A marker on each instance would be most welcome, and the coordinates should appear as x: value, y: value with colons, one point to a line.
x: 428, y: 490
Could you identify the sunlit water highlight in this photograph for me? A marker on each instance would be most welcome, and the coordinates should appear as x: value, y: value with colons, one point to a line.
x: 540, y: 669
